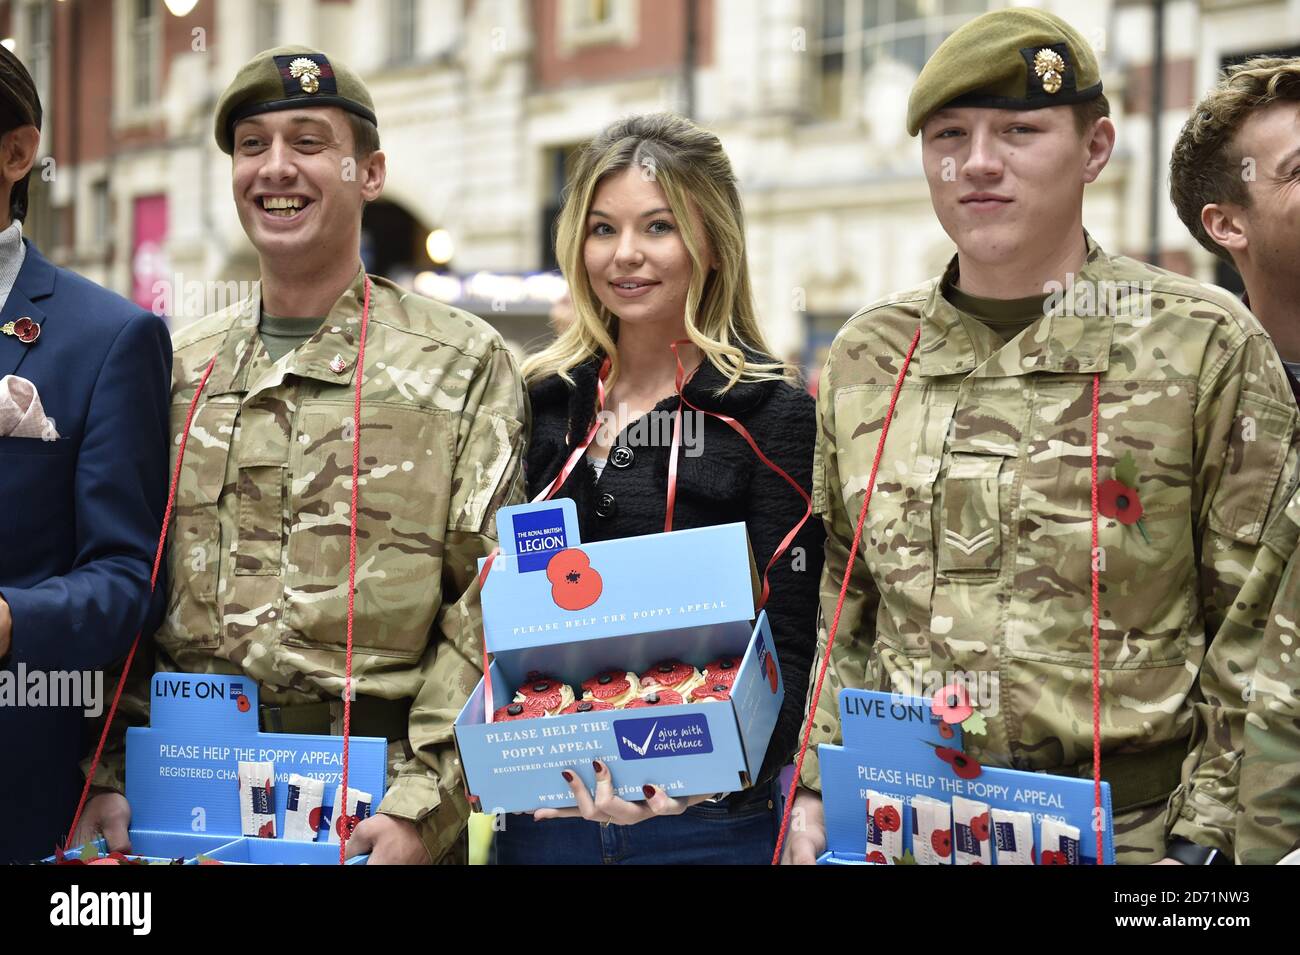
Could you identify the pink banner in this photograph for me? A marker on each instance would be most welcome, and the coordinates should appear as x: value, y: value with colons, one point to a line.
x: 149, y: 250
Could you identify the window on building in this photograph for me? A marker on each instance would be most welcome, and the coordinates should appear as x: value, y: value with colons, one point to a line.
x: 402, y: 23
x: 594, y: 13
x: 597, y: 22
x: 266, y: 25
x: 557, y: 163
x: 101, y: 224
x: 143, y: 52
x: 38, y: 47
x: 852, y: 36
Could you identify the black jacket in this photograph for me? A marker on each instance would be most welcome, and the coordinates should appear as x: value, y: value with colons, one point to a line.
x: 723, y: 484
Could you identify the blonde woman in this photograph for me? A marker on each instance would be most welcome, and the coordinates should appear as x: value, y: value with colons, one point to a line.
x: 652, y: 242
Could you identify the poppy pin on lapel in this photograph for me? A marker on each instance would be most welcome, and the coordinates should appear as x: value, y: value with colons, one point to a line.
x: 23, y: 329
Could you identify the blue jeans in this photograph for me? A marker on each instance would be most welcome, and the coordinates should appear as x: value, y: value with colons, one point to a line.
x: 706, y: 834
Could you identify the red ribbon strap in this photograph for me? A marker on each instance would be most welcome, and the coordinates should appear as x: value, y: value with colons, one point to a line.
x: 736, y: 426
x: 839, y: 604
x: 153, y: 583
x: 345, y: 832
x: 546, y: 493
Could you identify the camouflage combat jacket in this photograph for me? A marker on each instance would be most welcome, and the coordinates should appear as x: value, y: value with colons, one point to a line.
x: 1268, y: 825
x: 975, y: 558
x: 258, y: 550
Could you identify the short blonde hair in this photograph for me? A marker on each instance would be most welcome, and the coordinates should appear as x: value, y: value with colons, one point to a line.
x: 688, y: 162
x: 1206, y: 165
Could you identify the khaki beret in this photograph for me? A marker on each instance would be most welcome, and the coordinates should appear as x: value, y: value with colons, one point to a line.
x: 1016, y: 58
x: 289, y: 77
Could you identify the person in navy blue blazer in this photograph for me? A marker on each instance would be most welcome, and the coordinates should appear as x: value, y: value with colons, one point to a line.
x: 82, y: 494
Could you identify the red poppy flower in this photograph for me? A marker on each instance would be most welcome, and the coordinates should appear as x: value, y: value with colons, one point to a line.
x: 964, y: 766
x: 1119, y: 501
x: 945, y: 731
x: 979, y: 826
x: 267, y: 831
x: 1053, y: 858
x: 26, y: 331
x: 951, y: 704
x: 941, y: 842
x: 241, y: 702
x: 877, y: 857
x: 575, y: 584
x: 886, y: 819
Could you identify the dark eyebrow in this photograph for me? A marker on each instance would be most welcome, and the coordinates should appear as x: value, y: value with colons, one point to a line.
x: 299, y: 119
x: 644, y: 215
x: 1287, y: 160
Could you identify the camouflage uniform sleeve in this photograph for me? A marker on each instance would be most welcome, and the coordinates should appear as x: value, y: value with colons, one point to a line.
x: 488, y: 474
x: 1268, y: 820
x: 1245, y: 431
x: 856, y: 629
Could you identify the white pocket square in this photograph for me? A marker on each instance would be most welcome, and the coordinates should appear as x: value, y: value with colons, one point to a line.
x: 21, y: 414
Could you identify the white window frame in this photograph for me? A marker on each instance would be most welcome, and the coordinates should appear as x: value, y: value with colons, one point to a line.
x: 39, y: 49
x: 126, y: 111
x: 855, y: 41
x: 409, y: 37
x: 265, y: 40
x: 577, y: 31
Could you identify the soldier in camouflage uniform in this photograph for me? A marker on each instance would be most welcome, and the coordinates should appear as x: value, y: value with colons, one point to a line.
x: 258, y: 552
x: 976, y: 554
x: 1268, y: 820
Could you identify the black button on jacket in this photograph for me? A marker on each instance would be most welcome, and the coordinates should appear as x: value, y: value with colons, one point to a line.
x: 723, y: 484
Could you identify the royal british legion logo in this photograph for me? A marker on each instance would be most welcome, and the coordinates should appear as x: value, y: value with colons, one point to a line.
x: 538, y: 535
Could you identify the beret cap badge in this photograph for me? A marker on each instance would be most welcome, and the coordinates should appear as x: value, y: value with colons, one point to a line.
x: 1050, y: 68
x: 307, y: 73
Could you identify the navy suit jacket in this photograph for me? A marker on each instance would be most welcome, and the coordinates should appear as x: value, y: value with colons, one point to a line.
x: 79, y: 523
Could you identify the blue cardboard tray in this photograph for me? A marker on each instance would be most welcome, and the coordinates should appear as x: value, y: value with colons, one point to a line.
x: 686, y: 594
x: 887, y: 748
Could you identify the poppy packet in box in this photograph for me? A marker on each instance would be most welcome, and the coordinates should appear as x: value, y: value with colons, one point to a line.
x: 558, y: 615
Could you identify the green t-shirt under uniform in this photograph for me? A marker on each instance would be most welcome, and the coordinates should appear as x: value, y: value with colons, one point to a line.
x: 282, y: 335
x: 1008, y: 317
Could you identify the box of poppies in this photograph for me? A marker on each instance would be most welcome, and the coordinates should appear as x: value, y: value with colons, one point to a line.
x: 902, y: 790
x: 205, y: 784
x: 641, y: 653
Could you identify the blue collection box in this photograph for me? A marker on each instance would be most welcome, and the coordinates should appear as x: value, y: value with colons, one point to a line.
x: 182, y: 774
x: 890, y: 745
x: 685, y: 594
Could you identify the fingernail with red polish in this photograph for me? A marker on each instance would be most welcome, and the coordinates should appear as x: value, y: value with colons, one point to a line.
x: 649, y: 791
x: 568, y: 776
x: 595, y: 764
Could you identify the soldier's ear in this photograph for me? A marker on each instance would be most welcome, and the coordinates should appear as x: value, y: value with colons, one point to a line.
x: 1225, y: 224
x: 1101, y: 143
x: 374, y: 173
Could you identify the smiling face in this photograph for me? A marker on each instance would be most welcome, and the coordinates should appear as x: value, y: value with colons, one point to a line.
x: 1270, y: 224
x: 297, y: 186
x: 636, y: 260
x: 1003, y: 180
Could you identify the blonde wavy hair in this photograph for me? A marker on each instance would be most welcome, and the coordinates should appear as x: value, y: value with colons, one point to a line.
x: 690, y: 166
